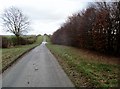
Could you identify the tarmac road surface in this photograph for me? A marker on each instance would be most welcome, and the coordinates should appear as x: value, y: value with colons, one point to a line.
x: 38, y: 68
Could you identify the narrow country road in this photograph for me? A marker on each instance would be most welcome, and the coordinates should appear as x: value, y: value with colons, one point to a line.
x: 38, y: 68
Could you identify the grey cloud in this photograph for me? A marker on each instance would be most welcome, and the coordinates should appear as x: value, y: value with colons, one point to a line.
x: 44, y: 14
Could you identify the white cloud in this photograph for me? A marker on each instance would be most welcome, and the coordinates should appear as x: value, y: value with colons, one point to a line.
x: 46, y: 15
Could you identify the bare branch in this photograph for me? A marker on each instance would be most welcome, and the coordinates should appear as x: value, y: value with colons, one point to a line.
x: 15, y: 21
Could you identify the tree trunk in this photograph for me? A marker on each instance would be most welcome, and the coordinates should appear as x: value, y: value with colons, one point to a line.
x: 18, y: 39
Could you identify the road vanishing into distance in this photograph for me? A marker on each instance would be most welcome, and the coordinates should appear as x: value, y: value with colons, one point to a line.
x: 38, y: 68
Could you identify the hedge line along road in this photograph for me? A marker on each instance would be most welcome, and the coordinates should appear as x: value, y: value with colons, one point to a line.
x: 38, y: 68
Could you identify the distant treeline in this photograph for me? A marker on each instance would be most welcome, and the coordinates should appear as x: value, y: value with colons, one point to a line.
x: 96, y: 28
x: 10, y: 41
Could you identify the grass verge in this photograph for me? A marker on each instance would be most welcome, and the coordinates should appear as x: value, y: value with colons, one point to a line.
x: 86, y: 71
x: 10, y: 55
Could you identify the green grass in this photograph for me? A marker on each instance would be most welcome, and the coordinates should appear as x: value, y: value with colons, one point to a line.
x: 39, y: 40
x: 85, y: 71
x: 10, y: 54
x: 48, y: 40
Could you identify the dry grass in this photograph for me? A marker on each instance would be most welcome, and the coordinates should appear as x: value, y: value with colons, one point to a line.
x: 11, y: 54
x: 96, y: 57
x: 86, y: 68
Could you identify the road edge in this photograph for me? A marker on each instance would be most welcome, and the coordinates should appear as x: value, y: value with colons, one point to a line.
x: 16, y: 59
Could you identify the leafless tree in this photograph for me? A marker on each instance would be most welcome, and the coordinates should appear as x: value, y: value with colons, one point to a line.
x: 15, y: 21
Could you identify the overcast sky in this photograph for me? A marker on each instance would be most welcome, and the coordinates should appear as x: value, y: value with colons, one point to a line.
x: 46, y: 15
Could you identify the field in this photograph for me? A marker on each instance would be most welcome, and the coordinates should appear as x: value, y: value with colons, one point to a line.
x: 85, y: 68
x: 12, y: 53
